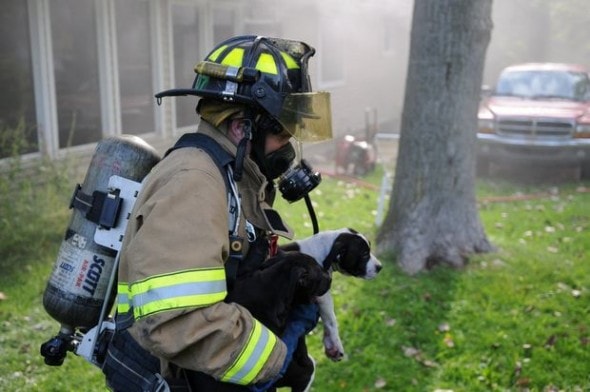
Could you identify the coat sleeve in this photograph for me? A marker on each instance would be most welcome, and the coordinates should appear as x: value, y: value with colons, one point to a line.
x: 175, y: 271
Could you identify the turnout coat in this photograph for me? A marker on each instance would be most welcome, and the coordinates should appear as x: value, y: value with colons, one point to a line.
x: 171, y: 273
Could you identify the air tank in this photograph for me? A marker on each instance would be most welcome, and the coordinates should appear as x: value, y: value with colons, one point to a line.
x: 76, y: 289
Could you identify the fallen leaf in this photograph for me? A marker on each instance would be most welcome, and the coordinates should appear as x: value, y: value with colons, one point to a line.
x: 523, y: 382
x: 429, y: 363
x: 448, y: 340
x: 410, y: 351
x: 380, y: 383
x: 576, y: 293
x: 551, y: 341
x: 498, y: 263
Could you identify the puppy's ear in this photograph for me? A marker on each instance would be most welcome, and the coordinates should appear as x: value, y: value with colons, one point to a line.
x: 312, y: 280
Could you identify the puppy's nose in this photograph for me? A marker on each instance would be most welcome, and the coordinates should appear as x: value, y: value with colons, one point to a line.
x: 378, y: 267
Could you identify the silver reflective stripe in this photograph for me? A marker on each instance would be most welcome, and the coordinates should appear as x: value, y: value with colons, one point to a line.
x: 180, y: 290
x: 123, y: 299
x: 253, y: 358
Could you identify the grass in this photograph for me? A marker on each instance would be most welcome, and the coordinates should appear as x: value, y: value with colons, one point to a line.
x: 514, y: 320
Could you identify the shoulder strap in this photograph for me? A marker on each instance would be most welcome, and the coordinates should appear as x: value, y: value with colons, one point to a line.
x: 224, y: 162
x: 221, y: 157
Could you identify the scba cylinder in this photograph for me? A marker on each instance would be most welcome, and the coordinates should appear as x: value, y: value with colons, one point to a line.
x: 76, y: 289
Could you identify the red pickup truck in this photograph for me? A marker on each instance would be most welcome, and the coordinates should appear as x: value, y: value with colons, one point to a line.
x: 537, y: 114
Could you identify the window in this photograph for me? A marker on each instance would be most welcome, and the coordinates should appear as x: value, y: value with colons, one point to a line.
x: 17, y: 102
x: 136, y: 87
x: 75, y: 63
x: 185, y: 21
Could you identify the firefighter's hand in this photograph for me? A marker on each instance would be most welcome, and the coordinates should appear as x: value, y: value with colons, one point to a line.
x: 302, y: 320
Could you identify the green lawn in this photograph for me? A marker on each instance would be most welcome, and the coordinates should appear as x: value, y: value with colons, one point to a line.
x: 514, y: 320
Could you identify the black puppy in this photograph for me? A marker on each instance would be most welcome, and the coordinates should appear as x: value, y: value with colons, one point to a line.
x: 283, y: 281
x: 269, y: 293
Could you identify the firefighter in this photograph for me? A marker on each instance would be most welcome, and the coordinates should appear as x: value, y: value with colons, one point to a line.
x: 172, y: 321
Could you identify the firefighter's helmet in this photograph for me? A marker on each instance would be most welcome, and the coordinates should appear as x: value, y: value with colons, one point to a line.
x: 268, y: 74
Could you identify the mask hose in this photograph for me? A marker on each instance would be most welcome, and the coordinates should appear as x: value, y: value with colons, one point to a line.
x: 314, y: 219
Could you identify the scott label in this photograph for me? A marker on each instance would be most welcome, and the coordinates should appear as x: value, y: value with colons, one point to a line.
x: 81, y: 271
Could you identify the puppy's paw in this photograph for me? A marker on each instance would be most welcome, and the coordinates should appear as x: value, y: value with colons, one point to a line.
x: 334, y: 354
x: 333, y: 348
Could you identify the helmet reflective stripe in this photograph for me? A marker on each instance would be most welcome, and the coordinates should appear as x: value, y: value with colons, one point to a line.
x: 290, y: 61
x: 193, y: 288
x: 266, y: 63
x: 123, y: 298
x: 234, y: 58
x: 253, y: 357
x: 213, y: 56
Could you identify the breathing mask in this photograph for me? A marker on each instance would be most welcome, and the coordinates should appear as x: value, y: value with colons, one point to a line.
x: 298, y: 181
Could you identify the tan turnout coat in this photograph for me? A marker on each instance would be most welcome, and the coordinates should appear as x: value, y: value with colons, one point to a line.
x: 180, y: 223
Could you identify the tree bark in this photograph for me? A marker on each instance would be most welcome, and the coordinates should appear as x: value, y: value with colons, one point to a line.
x: 433, y: 217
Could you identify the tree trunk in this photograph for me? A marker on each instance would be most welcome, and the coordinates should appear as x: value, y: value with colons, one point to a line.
x: 433, y: 216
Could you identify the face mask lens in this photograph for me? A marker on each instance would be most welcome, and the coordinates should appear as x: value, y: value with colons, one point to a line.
x: 278, y: 162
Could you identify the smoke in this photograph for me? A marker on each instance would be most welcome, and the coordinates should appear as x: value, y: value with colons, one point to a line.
x: 537, y: 31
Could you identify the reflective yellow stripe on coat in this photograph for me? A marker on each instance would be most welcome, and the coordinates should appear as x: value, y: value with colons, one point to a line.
x: 123, y: 298
x: 253, y: 357
x: 182, y: 289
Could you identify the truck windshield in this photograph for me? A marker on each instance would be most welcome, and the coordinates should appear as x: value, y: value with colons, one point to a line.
x: 544, y: 84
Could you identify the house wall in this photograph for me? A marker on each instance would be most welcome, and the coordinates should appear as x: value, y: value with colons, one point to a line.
x: 361, y: 59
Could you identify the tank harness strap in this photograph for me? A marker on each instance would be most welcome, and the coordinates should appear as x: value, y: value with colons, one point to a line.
x: 224, y: 162
x: 101, y: 208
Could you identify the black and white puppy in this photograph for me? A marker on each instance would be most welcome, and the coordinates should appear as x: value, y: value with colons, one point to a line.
x: 348, y: 252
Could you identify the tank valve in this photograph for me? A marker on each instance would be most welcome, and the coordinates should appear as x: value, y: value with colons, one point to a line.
x: 55, y: 349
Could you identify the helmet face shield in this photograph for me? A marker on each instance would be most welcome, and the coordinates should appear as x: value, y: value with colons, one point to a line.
x: 307, y: 116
